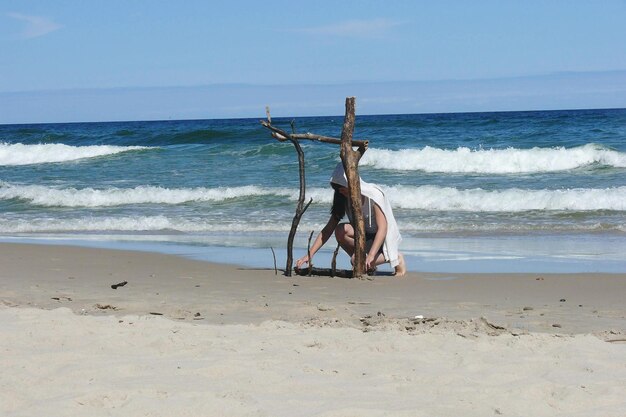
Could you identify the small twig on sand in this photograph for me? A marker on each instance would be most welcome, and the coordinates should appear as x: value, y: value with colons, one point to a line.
x: 121, y: 284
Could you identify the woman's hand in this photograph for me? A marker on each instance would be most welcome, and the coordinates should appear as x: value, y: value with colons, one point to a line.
x: 321, y: 238
x: 302, y: 261
x: 370, y: 262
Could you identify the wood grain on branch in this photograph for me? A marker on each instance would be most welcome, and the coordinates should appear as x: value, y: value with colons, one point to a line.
x: 328, y: 139
x: 350, y: 159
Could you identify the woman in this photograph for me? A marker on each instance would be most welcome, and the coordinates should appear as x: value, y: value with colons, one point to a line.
x: 381, y: 231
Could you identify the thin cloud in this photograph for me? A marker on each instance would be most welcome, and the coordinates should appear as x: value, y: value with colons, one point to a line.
x: 35, y: 26
x: 353, y: 28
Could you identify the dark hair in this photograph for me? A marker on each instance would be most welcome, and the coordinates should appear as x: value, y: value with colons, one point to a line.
x: 338, y: 210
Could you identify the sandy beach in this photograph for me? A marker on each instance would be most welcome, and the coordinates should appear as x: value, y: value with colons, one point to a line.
x: 157, y: 159
x: 191, y: 338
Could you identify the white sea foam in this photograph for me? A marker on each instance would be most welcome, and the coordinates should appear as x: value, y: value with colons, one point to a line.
x: 430, y: 198
x: 171, y: 225
x: 497, y: 161
x: 21, y: 154
x: 434, y: 198
x: 135, y: 224
x: 499, y: 227
x: 90, y: 197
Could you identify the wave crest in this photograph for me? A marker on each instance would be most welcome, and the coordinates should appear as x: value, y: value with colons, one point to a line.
x: 20, y: 154
x: 493, y: 161
x: 90, y: 197
x: 429, y: 198
x: 175, y: 225
x: 511, y: 200
x: 158, y: 223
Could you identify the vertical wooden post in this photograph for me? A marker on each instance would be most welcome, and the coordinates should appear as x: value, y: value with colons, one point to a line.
x: 350, y: 159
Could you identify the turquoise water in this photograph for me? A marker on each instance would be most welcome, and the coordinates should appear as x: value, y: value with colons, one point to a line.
x: 514, y: 191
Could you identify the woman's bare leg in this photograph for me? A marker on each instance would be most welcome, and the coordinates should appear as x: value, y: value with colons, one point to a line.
x: 345, y: 237
x: 344, y: 233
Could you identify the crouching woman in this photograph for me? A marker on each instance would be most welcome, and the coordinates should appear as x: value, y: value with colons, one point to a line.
x: 381, y: 230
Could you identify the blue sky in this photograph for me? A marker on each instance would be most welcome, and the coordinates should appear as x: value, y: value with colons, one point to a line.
x: 128, y: 60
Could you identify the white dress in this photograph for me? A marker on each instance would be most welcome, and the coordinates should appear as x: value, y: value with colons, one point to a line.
x: 392, y: 238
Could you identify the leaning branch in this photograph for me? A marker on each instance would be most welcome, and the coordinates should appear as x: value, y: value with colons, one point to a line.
x: 283, y: 136
x: 328, y: 139
x: 277, y: 133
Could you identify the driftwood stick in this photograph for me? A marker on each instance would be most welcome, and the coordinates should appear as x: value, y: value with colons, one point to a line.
x: 328, y: 139
x: 307, y: 205
x: 299, y: 208
x: 324, y: 272
x: 282, y: 136
x: 333, y: 263
x: 269, y: 117
x: 278, y: 137
x: 350, y: 159
x: 308, y: 251
x: 274, y: 255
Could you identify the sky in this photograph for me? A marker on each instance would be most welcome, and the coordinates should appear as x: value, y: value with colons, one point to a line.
x: 64, y: 61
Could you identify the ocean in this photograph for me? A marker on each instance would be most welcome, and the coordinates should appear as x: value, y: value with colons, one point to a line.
x: 537, y: 191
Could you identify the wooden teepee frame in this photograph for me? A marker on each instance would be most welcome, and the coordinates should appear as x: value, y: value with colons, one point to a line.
x: 350, y: 159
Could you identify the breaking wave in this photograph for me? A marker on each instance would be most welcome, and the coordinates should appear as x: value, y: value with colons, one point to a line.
x: 175, y: 225
x: 496, y: 161
x: 158, y: 223
x: 21, y: 154
x: 430, y: 198
x: 509, y: 200
x: 90, y: 197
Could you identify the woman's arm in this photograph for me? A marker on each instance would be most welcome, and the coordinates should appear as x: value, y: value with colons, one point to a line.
x: 381, y: 233
x: 321, y: 238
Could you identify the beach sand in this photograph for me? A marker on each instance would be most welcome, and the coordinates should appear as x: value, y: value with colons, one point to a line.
x: 190, y: 338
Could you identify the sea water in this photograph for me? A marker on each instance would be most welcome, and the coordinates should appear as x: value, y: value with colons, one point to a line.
x: 490, y: 192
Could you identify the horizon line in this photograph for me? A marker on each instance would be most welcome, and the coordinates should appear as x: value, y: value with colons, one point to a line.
x: 324, y: 116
